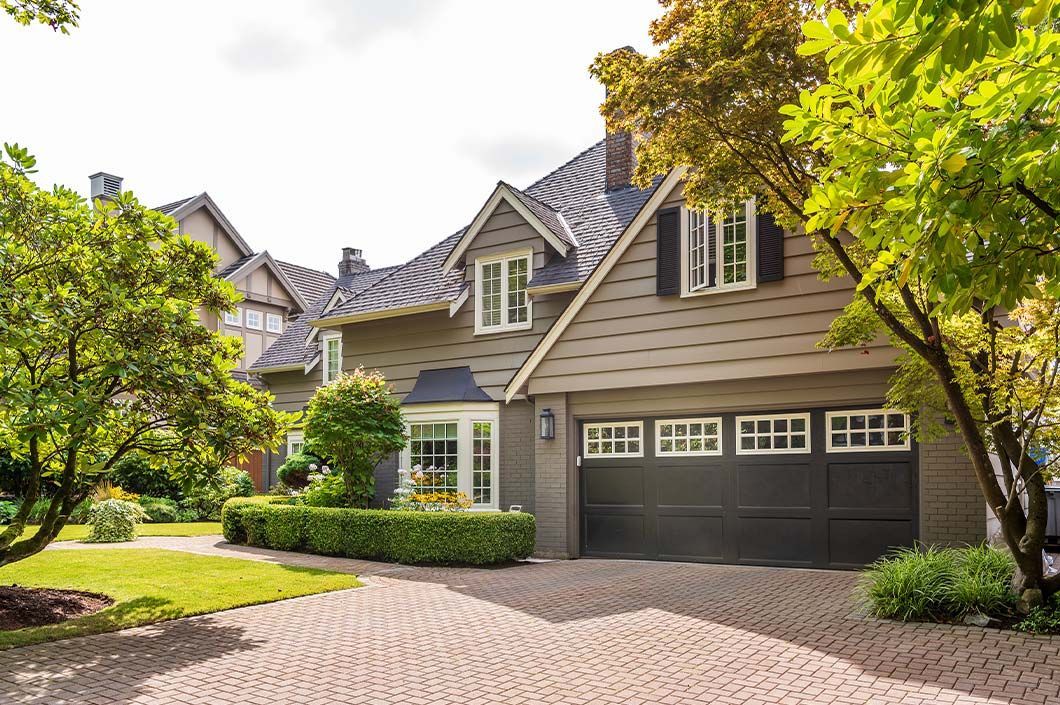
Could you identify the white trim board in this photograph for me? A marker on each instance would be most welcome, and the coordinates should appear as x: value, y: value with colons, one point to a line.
x: 647, y: 211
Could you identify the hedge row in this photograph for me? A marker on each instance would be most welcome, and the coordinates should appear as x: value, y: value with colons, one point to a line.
x: 382, y: 534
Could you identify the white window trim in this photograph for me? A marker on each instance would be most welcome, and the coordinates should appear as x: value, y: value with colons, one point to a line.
x: 237, y: 318
x: 611, y: 424
x: 269, y: 318
x: 503, y: 258
x: 464, y: 415
x: 324, y: 357
x: 829, y: 415
x: 246, y: 317
x: 774, y: 451
x: 292, y: 438
x: 675, y: 453
x: 752, y: 254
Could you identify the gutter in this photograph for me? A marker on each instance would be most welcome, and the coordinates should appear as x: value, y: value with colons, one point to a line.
x: 379, y: 314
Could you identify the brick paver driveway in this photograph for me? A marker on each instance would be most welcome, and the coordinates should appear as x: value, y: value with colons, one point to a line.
x: 565, y: 632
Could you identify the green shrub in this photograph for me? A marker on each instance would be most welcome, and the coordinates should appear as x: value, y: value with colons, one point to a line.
x: 206, y: 501
x: 476, y: 538
x: 161, y: 510
x: 295, y: 470
x: 940, y: 584
x: 325, y: 491
x: 134, y: 473
x: 114, y: 520
x: 79, y: 515
x: 232, y: 515
x: 8, y: 510
x: 14, y: 474
x: 1042, y: 620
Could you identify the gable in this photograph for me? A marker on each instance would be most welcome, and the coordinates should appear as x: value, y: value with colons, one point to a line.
x: 200, y: 225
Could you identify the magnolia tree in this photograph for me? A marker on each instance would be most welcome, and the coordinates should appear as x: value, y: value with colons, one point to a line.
x: 916, y: 142
x: 60, y: 15
x: 102, y: 354
x: 355, y: 422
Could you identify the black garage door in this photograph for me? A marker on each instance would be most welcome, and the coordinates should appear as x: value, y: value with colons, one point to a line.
x: 776, y: 493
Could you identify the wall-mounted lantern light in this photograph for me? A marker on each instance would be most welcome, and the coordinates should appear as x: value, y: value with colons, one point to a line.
x: 548, y: 425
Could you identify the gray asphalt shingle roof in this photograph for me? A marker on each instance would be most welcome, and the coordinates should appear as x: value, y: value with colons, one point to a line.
x: 235, y: 266
x: 311, y: 283
x: 548, y: 215
x: 574, y: 193
x: 170, y: 207
x: 290, y: 348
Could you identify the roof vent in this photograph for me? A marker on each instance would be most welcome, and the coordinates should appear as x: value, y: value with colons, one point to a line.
x: 352, y: 262
x: 104, y: 185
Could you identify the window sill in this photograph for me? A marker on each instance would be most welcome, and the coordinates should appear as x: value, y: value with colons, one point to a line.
x: 719, y: 290
x: 504, y: 329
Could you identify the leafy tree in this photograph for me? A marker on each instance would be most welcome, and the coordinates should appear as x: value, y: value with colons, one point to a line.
x: 60, y: 15
x: 355, y: 422
x: 101, y: 351
x: 916, y: 142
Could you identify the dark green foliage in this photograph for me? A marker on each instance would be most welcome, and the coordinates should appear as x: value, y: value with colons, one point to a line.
x: 295, y: 470
x: 232, y: 515
x: 442, y: 538
x: 329, y: 491
x: 13, y: 474
x: 1042, y: 620
x: 134, y: 473
x: 78, y: 516
x: 7, y: 510
x: 940, y: 584
x: 206, y: 501
x: 161, y: 510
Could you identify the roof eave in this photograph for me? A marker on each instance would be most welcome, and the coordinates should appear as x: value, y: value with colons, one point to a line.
x: 378, y: 314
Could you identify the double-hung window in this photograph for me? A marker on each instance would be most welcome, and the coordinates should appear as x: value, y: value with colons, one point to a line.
x: 295, y: 442
x: 455, y: 445
x: 501, y: 301
x: 274, y: 323
x: 332, y: 357
x: 718, y: 250
x: 253, y: 319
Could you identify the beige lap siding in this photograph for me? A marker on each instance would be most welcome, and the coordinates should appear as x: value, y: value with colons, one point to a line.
x: 952, y: 509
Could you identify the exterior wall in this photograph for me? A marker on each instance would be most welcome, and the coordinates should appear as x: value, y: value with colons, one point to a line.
x: 627, y: 336
x: 555, y: 488
x: 518, y: 424
x: 292, y: 391
x: 504, y: 231
x: 255, y: 342
x: 952, y: 509
x: 202, y: 227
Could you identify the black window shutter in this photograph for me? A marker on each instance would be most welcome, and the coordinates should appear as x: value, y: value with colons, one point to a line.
x: 770, y: 249
x: 668, y: 252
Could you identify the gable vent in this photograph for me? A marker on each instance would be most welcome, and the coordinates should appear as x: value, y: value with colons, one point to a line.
x: 104, y: 185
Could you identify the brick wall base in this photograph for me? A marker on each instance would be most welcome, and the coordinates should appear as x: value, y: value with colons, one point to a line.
x: 952, y: 509
x: 551, y: 496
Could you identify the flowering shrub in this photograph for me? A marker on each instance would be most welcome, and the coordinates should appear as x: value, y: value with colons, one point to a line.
x: 105, y: 490
x: 326, y: 488
x: 114, y: 520
x: 415, y: 492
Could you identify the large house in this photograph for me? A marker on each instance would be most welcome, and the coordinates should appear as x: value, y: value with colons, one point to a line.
x: 641, y: 377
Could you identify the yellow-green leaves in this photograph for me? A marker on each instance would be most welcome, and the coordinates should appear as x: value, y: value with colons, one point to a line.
x: 954, y: 163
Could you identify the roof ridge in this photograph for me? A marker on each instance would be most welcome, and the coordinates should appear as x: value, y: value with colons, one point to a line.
x: 522, y: 192
x: 567, y: 163
x: 399, y: 267
x: 308, y: 269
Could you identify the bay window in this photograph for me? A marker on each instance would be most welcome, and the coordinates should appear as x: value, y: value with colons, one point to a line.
x: 501, y: 301
x: 718, y: 251
x: 455, y: 446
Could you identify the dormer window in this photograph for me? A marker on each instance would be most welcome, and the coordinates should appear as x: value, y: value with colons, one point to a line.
x: 718, y: 250
x: 501, y: 302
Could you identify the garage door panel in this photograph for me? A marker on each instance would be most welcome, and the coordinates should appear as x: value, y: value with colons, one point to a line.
x: 691, y: 486
x: 616, y: 534
x: 773, y: 540
x: 774, y: 484
x: 614, y: 485
x: 691, y: 537
x: 870, y: 485
x: 855, y: 542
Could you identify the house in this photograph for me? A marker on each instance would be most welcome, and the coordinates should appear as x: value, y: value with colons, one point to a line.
x: 643, y: 378
x: 273, y: 291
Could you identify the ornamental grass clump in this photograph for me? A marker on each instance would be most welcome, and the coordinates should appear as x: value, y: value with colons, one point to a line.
x: 114, y: 521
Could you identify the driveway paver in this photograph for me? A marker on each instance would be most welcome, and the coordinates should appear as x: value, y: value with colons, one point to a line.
x: 559, y: 632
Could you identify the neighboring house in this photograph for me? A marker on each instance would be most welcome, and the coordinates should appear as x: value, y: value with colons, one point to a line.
x: 644, y: 379
x: 273, y: 291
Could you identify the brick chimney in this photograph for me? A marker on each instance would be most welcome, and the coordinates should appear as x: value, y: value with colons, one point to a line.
x: 103, y: 185
x: 352, y: 262
x: 619, y: 157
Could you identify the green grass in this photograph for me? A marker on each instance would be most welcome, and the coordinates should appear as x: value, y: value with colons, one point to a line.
x: 76, y: 532
x: 151, y: 585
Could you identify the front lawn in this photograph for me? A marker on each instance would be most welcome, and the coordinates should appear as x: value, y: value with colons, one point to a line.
x: 76, y: 532
x: 150, y: 585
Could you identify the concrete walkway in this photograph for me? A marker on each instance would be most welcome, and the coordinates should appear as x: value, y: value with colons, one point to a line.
x: 559, y: 632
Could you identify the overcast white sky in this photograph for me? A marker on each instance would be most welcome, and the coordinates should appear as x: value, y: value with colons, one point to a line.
x: 316, y: 124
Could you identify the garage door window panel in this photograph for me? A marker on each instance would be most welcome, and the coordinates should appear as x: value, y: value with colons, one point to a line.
x: 621, y: 439
x: 677, y: 437
x: 867, y: 430
x: 779, y: 433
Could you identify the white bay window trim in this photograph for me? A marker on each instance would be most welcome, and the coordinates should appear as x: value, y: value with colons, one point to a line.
x: 702, y: 275
x: 500, y: 267
x: 465, y: 415
x: 331, y: 359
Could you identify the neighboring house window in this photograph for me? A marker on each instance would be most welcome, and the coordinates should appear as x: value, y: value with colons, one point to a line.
x: 867, y: 429
x: 456, y: 447
x: 779, y: 433
x: 614, y: 440
x: 234, y: 318
x: 274, y: 323
x: 501, y: 299
x: 253, y: 319
x: 295, y: 442
x: 332, y: 357
x: 718, y: 250
x: 688, y: 437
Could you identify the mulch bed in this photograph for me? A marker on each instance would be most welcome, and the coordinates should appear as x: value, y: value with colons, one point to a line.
x: 35, y: 607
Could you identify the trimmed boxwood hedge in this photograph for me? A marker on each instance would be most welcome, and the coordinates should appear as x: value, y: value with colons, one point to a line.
x: 475, y: 538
